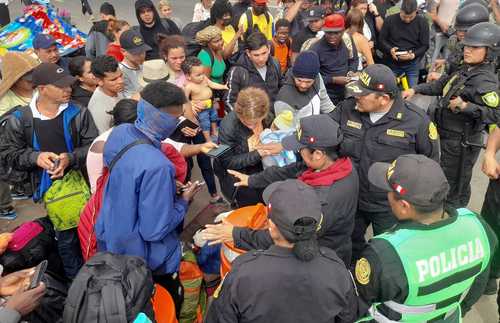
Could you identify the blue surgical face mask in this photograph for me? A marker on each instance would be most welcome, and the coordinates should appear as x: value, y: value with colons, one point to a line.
x: 156, y: 125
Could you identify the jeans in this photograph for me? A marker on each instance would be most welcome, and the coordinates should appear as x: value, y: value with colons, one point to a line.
x: 5, y: 198
x: 380, y: 221
x: 206, y: 117
x: 411, y: 70
x: 205, y: 165
x: 68, y: 246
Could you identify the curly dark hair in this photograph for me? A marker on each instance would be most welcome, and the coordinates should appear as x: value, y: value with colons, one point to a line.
x: 188, y: 64
x: 219, y: 9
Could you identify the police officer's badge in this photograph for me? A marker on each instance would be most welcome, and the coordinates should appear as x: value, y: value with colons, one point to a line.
x: 433, y: 133
x: 491, y: 99
x: 363, y: 271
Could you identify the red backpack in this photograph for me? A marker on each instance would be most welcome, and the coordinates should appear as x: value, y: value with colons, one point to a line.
x: 88, y: 217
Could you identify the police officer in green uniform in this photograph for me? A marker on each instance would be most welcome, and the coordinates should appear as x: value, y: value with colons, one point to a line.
x: 379, y: 126
x: 294, y: 280
x: 468, y: 102
x: 433, y: 266
x: 466, y: 17
x: 491, y: 207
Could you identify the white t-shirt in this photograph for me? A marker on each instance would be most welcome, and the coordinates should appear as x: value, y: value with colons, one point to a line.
x: 376, y: 116
x: 262, y: 71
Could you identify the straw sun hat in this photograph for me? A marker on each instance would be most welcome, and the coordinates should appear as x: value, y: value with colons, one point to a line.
x: 14, y: 66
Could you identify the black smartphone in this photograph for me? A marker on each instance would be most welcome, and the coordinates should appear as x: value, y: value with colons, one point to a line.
x: 187, y: 123
x: 56, y: 163
x: 37, y: 276
x: 219, y: 151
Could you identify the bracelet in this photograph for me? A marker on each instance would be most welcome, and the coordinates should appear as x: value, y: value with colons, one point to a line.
x: 376, y: 16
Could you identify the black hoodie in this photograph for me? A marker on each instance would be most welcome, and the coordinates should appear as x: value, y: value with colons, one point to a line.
x: 161, y: 26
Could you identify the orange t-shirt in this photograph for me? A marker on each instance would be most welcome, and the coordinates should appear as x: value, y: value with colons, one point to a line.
x: 283, y: 53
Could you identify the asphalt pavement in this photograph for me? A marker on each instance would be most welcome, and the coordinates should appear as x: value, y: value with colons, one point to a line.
x: 485, y: 310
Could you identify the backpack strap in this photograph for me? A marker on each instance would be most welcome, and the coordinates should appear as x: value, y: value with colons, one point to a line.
x: 124, y: 150
x: 113, y: 304
x: 74, y: 304
x: 249, y: 15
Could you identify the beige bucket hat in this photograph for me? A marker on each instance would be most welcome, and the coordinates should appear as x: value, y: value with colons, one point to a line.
x: 14, y: 66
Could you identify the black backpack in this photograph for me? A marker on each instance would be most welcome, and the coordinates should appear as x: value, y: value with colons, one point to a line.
x: 251, y: 27
x: 110, y: 288
x: 41, y: 247
x: 8, y: 173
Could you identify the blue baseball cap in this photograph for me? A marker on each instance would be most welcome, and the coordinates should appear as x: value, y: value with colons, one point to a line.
x: 43, y: 41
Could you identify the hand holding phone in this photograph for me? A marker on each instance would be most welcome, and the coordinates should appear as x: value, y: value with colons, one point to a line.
x: 37, y: 276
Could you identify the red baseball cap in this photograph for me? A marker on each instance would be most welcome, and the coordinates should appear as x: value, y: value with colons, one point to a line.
x: 334, y: 22
x: 260, y: 2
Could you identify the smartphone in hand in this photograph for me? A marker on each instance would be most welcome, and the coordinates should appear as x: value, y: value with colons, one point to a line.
x: 37, y: 276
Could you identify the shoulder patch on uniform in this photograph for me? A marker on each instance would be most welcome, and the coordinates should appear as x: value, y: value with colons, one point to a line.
x: 363, y: 271
x: 433, y: 133
x: 491, y: 99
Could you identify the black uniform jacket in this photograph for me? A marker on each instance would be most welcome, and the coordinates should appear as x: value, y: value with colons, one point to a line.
x: 477, y: 85
x: 339, y: 203
x: 275, y: 286
x: 404, y: 129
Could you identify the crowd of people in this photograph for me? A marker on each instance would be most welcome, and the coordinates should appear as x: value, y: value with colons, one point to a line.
x: 308, y: 111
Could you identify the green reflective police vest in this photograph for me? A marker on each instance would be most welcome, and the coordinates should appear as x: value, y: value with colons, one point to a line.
x: 440, y: 265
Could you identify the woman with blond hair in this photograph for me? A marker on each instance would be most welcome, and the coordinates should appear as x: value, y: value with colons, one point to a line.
x: 240, y: 130
x: 354, y: 26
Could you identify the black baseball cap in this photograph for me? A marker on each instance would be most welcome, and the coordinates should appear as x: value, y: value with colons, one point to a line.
x: 416, y: 178
x: 53, y: 74
x: 314, y: 13
x: 315, y: 132
x: 289, y: 201
x: 132, y: 42
x: 375, y: 78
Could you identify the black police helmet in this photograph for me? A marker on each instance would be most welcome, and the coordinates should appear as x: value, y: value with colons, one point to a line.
x: 484, y: 34
x: 471, y: 15
x: 484, y: 3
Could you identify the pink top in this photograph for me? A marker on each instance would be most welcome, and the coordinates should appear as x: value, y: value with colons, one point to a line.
x: 95, y: 162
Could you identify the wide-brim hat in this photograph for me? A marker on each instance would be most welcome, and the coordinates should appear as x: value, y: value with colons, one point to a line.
x: 153, y: 70
x: 14, y: 66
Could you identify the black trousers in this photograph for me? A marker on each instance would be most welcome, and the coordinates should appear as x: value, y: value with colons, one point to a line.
x: 172, y: 283
x: 460, y: 190
x: 491, y: 214
x: 4, y: 15
x: 380, y: 221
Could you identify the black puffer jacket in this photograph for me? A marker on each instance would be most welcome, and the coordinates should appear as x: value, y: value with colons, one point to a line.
x: 244, y: 74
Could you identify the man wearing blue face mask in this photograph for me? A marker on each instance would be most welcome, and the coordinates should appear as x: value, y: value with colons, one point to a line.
x: 141, y: 211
